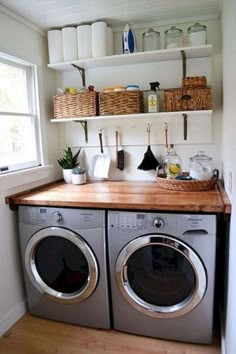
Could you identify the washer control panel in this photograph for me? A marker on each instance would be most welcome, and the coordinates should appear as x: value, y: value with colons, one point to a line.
x: 67, y: 217
x: 165, y: 223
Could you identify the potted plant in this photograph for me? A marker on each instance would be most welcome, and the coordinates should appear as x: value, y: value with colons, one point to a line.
x: 78, y: 175
x: 68, y: 162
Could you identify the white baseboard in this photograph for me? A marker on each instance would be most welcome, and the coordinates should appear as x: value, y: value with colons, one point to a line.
x: 12, y: 317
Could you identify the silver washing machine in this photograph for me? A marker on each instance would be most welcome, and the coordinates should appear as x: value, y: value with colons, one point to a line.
x: 64, y: 261
x: 162, y: 270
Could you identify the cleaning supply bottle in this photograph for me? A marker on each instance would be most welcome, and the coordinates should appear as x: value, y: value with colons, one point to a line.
x: 154, y: 98
x: 174, y: 164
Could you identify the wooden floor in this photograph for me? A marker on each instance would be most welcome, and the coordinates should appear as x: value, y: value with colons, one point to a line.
x: 32, y: 335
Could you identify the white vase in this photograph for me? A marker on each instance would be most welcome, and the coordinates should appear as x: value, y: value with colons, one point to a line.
x: 67, y: 174
x: 78, y: 179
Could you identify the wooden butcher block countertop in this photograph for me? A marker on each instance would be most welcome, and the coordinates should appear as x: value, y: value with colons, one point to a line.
x: 124, y: 195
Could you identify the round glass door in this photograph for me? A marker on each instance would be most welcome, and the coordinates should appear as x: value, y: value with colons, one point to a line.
x: 61, y: 264
x: 160, y: 276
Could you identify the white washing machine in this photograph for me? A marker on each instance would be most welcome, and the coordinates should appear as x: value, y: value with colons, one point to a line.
x: 64, y: 262
x: 162, y: 270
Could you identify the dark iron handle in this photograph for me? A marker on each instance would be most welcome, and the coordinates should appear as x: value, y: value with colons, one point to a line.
x: 100, y: 141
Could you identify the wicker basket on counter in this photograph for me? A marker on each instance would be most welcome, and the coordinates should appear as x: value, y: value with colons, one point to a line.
x: 190, y: 99
x: 194, y: 81
x: 187, y: 185
x: 83, y: 104
x: 124, y: 102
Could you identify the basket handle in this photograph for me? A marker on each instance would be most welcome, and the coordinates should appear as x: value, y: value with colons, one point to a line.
x: 186, y: 98
x: 215, y: 176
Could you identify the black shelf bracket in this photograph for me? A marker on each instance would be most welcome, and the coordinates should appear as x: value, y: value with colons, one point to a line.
x: 185, y: 121
x: 82, y: 73
x: 183, y: 62
x: 85, y: 127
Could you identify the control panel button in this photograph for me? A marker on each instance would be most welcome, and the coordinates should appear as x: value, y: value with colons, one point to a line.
x: 158, y: 223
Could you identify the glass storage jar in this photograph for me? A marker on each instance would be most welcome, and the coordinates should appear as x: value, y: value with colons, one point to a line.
x: 151, y: 40
x: 197, y: 35
x: 200, y: 166
x: 173, y: 38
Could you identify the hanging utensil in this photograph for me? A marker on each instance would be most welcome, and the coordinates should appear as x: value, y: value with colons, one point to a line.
x: 166, y: 135
x: 100, y: 163
x: 120, y: 155
x: 149, y: 161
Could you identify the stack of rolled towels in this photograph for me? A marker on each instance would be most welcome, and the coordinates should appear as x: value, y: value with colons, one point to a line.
x: 81, y: 42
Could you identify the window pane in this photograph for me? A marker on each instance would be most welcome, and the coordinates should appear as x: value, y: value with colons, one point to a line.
x: 17, y: 140
x: 13, y: 89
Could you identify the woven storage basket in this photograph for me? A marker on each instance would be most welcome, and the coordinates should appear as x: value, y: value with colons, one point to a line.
x: 186, y: 186
x: 125, y: 102
x: 83, y: 104
x: 194, y: 81
x: 191, y: 99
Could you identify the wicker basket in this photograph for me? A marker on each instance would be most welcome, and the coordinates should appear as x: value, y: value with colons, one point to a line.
x: 194, y: 81
x: 82, y: 104
x: 186, y: 186
x: 125, y: 102
x: 191, y: 99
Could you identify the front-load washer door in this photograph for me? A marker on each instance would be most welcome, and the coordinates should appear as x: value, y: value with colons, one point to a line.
x: 160, y: 276
x: 61, y: 265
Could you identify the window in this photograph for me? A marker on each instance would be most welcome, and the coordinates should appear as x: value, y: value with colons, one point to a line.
x: 19, y: 124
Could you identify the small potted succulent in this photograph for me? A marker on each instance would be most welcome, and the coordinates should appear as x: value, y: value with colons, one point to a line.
x: 78, y: 175
x: 68, y: 162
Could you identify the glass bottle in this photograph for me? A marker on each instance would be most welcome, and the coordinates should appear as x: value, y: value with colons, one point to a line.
x: 197, y: 35
x: 151, y: 40
x: 173, y: 38
x: 174, y: 164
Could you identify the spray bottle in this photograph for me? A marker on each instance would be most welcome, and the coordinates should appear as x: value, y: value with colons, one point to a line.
x: 154, y: 98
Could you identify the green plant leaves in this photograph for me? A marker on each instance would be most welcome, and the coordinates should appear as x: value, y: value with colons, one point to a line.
x: 69, y: 161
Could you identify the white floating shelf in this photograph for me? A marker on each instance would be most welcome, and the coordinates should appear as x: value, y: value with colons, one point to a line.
x: 136, y: 58
x: 138, y: 116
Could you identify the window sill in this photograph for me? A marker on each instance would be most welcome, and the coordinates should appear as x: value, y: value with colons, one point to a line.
x: 20, y: 178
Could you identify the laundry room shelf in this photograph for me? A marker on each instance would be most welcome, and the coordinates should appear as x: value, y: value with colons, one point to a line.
x: 135, y: 58
x: 138, y: 116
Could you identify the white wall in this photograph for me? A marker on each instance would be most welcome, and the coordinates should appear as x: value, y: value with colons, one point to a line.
x: 229, y: 148
x: 23, y: 42
x: 204, y: 132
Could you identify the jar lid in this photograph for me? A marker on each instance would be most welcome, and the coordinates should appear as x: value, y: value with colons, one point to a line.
x: 150, y: 31
x: 200, y: 157
x: 132, y: 87
x: 197, y: 28
x: 174, y: 32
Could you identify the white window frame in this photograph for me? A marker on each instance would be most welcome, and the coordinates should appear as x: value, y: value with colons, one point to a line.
x: 33, y: 99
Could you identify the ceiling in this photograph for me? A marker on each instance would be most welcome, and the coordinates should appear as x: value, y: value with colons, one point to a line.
x: 47, y: 14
